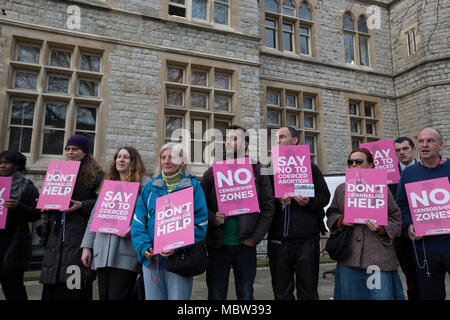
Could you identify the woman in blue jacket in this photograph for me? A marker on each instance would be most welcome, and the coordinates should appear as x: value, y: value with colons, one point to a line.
x: 172, y: 176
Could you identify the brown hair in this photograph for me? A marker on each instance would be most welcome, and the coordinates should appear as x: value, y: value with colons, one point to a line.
x: 368, y: 154
x: 136, y: 169
x: 89, y: 172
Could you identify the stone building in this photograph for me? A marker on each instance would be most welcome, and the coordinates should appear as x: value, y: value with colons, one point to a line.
x: 131, y: 72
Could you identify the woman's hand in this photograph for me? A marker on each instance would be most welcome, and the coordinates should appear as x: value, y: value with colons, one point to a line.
x: 126, y: 234
x: 412, y: 233
x: 301, y: 200
x: 76, y: 205
x: 148, y: 253
x: 347, y: 224
x: 86, y: 257
x: 372, y: 226
x: 11, y: 203
x: 167, y: 254
x: 285, y: 201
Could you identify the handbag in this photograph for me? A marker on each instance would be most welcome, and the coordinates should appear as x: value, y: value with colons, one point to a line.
x: 189, y: 261
x: 339, y: 244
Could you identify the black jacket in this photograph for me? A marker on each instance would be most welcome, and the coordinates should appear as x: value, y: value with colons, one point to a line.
x: 251, y: 225
x: 302, y: 223
x: 15, y: 239
x: 61, y: 254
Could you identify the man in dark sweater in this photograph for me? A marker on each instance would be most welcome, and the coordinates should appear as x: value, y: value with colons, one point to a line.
x: 293, y: 246
x: 232, y: 240
x: 404, y: 150
x: 433, y: 252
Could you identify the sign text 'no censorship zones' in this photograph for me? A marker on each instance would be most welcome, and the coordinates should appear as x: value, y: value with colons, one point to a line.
x: 115, y: 207
x: 292, y: 171
x: 174, y: 220
x: 235, y: 186
x: 5, y: 189
x: 429, y: 203
x: 366, y: 196
x: 384, y: 158
x: 58, y: 185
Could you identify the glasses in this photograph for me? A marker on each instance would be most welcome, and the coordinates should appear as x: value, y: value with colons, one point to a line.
x: 350, y: 162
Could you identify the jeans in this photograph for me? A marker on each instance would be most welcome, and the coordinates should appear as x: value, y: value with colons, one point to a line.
x: 161, y: 284
x: 243, y: 260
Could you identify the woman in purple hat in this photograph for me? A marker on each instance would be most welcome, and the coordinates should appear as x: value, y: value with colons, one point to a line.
x: 62, y: 259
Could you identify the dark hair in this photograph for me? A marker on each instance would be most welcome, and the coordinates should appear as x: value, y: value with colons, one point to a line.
x: 403, y: 139
x: 368, y: 154
x: 294, y: 133
x: 16, y: 158
x: 235, y: 127
x: 136, y: 170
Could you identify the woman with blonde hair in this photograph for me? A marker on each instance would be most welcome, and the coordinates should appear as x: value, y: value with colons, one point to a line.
x: 172, y: 176
x: 113, y: 256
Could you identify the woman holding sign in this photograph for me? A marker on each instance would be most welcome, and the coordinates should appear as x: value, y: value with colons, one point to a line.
x: 172, y: 177
x: 63, y: 274
x: 369, y: 272
x: 111, y: 255
x: 15, y: 237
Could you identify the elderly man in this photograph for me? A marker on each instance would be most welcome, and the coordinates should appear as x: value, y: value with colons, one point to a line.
x: 433, y: 252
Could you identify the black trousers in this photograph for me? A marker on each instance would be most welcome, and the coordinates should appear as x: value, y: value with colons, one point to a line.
x: 432, y: 285
x: 59, y: 291
x: 115, y: 284
x: 13, y: 287
x: 404, y: 249
x: 299, y: 258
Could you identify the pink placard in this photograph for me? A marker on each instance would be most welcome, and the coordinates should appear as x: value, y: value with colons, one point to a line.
x: 366, y: 196
x: 235, y: 186
x: 292, y: 173
x: 115, y: 207
x: 429, y: 203
x: 59, y: 182
x: 174, y: 220
x: 384, y: 158
x: 5, y: 189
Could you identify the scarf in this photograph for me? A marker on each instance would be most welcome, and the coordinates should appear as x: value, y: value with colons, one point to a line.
x: 172, y: 181
x: 18, y: 185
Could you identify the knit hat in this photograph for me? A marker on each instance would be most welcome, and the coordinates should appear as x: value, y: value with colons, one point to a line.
x: 79, y: 141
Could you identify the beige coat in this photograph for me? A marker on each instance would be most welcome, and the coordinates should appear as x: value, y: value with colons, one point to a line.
x: 367, y: 247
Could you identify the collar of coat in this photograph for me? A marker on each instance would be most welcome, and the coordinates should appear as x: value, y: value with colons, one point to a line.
x: 185, y: 182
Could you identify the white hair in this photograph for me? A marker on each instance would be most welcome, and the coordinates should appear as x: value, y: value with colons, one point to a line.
x: 179, y: 156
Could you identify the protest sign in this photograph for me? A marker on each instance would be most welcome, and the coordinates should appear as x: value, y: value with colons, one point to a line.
x: 115, y: 207
x: 292, y: 173
x: 59, y: 182
x: 5, y: 189
x: 174, y: 221
x: 384, y: 158
x: 366, y: 196
x: 429, y: 203
x: 235, y: 186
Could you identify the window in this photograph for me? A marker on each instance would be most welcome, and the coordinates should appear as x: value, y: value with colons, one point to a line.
x: 51, y: 96
x: 364, y: 122
x: 211, y: 11
x: 198, y: 98
x: 356, y: 40
x: 295, y: 23
x: 411, y: 42
x: 297, y: 109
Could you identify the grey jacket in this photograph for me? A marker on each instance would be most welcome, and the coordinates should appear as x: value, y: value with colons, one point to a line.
x: 367, y: 247
x: 110, y: 250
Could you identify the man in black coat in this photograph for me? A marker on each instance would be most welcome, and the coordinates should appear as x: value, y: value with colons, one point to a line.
x: 293, y: 246
x: 232, y: 240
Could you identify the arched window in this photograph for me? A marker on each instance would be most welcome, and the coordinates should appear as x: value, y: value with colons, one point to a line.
x: 363, y: 40
x: 304, y: 12
x: 288, y: 8
x: 272, y: 6
x: 349, y: 39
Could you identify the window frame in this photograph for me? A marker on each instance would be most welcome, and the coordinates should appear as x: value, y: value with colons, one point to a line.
x: 357, y: 37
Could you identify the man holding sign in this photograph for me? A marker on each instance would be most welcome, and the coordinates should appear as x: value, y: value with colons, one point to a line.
x: 232, y: 239
x: 433, y: 251
x: 294, y: 235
